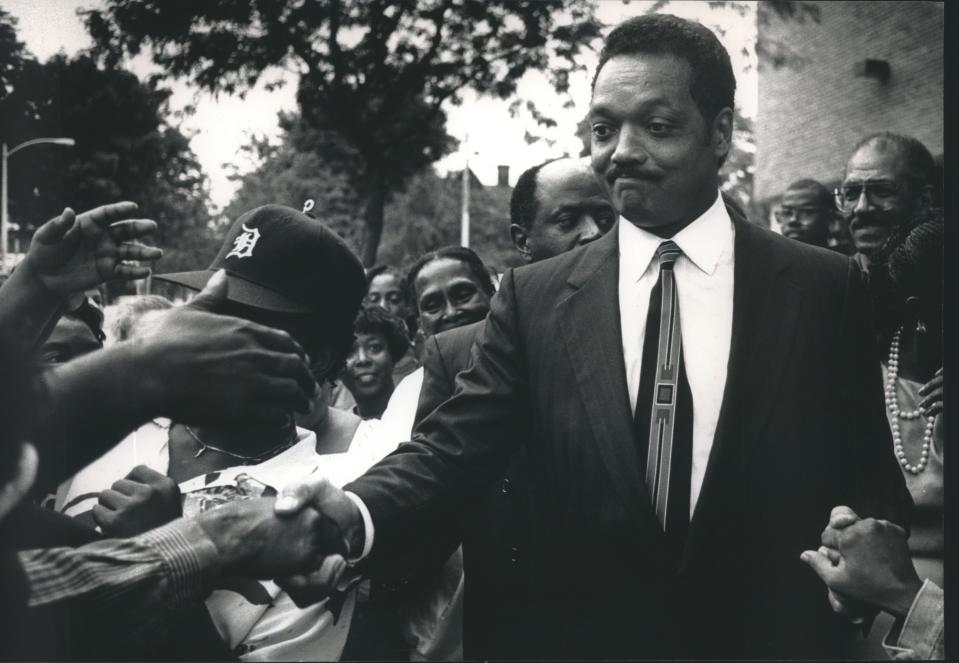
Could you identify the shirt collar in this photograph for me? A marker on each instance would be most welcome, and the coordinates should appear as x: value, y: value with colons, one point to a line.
x: 703, y: 241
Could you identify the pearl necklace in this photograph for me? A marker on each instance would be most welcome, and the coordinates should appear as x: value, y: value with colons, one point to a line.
x: 895, y: 414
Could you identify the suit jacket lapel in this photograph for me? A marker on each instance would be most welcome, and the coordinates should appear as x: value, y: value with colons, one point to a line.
x: 590, y: 325
x: 766, y: 307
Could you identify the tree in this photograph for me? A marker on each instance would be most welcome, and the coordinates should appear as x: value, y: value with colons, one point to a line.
x: 15, y: 60
x: 375, y: 72
x: 307, y: 164
x: 124, y: 150
x: 424, y: 216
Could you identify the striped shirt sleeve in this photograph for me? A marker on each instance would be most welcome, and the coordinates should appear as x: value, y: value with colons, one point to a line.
x: 164, y: 567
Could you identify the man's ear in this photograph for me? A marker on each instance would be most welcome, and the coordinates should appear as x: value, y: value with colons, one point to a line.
x: 24, y: 474
x: 521, y: 241
x: 722, y: 133
x: 924, y: 197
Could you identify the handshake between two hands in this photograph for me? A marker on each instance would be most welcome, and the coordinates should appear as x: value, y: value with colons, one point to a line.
x: 301, y: 540
x: 865, y: 564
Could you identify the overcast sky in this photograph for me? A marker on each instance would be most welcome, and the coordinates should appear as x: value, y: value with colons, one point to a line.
x: 222, y: 123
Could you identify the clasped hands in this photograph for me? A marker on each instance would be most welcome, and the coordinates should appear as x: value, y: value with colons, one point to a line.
x: 865, y: 564
x: 302, y: 539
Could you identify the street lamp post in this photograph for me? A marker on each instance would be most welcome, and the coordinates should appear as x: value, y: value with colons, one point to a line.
x: 4, y: 211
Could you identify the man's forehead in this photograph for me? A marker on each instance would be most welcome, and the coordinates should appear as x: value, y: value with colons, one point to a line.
x: 802, y: 196
x: 565, y: 181
x: 877, y: 161
x: 643, y: 73
x: 566, y: 173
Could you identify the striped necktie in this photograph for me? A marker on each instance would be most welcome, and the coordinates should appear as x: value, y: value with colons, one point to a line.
x: 664, y: 413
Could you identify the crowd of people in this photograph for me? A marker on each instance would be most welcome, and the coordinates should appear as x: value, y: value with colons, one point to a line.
x: 671, y: 434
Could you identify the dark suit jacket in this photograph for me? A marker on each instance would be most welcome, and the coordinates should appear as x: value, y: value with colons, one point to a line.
x: 802, y: 428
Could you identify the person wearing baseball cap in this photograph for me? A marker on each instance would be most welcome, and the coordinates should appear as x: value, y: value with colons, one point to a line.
x: 280, y: 268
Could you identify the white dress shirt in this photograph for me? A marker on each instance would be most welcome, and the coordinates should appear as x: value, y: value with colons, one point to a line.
x: 704, y: 281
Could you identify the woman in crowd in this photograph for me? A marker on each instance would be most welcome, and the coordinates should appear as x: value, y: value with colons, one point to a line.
x: 907, y: 291
x: 450, y: 288
x: 380, y: 342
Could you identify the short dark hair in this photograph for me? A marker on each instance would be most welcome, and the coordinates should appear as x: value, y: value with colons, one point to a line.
x: 712, y: 82
x: 909, y: 263
x: 919, y: 162
x: 377, y: 270
x: 373, y: 319
x: 823, y: 196
x: 523, y: 205
x: 91, y: 316
x: 460, y: 253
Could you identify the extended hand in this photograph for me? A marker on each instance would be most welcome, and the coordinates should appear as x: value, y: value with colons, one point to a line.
x: 143, y: 500
x: 873, y: 565
x: 215, y: 369
x: 344, y: 523
x: 253, y: 542
x: 71, y: 253
x: 341, y: 516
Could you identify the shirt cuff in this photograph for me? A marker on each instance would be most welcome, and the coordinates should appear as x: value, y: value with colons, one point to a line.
x: 921, y: 632
x: 189, y: 554
x: 367, y: 527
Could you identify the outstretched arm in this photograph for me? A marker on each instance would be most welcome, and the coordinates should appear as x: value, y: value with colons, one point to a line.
x: 456, y: 452
x: 69, y: 254
x: 189, y: 364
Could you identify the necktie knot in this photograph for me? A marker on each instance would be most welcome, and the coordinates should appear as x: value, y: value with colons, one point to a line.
x: 668, y: 252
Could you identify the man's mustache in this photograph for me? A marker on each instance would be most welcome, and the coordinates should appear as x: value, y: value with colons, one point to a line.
x: 867, y: 220
x: 616, y: 173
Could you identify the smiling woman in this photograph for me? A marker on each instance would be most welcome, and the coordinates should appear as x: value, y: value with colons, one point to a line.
x: 379, y: 342
x: 451, y: 288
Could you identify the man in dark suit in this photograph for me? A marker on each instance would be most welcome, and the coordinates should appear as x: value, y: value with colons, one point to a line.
x: 690, y: 409
x: 555, y: 207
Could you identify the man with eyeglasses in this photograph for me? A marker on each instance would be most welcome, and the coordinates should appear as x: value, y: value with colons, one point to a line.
x: 806, y: 212
x: 888, y: 179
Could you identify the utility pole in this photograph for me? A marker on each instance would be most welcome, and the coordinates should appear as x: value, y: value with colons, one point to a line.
x: 4, y: 209
x: 465, y: 198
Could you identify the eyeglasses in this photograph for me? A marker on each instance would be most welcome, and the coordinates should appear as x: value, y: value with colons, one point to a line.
x: 787, y: 214
x: 878, y: 192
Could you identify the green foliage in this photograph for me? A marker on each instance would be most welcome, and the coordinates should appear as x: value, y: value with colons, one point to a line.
x: 14, y: 58
x: 306, y: 164
x: 425, y: 215
x: 375, y: 72
x: 738, y: 171
x: 124, y: 151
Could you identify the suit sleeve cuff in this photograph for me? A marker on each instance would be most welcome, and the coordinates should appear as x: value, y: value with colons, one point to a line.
x: 367, y: 527
x: 921, y: 632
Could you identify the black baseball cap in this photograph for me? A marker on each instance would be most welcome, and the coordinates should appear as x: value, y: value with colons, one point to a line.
x: 279, y: 259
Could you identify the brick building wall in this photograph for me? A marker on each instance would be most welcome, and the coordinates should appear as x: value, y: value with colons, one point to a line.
x: 813, y: 110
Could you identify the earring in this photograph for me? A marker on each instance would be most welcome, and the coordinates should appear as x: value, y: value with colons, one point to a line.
x: 920, y: 327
